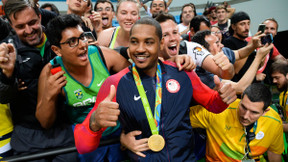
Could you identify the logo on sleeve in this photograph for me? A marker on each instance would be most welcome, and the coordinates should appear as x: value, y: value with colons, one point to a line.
x: 198, y: 51
x: 172, y: 86
x: 259, y: 135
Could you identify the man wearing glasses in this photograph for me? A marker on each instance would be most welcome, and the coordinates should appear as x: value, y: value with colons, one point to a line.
x: 83, y: 69
x: 20, y: 74
x: 245, y: 130
x: 106, y: 10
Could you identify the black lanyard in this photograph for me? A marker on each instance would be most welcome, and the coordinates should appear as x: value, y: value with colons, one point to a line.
x: 249, y: 137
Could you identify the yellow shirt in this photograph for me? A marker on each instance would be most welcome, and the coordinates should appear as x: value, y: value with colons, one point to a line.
x: 226, y: 136
x: 284, y: 103
x: 6, y: 125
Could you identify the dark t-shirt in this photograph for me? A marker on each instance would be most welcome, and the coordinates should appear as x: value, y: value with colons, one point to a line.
x: 235, y: 44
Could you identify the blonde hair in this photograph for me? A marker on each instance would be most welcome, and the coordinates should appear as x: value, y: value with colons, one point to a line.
x: 121, y: 1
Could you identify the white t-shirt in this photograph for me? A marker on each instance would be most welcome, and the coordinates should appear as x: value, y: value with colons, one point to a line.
x: 182, y: 27
x: 197, y: 52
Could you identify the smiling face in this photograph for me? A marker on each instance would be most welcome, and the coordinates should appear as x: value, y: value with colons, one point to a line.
x: 157, y: 6
x: 249, y: 111
x: 271, y: 27
x: 171, y: 39
x: 144, y: 47
x: 221, y: 15
x: 27, y: 25
x: 127, y: 14
x: 72, y: 56
x: 187, y: 14
x: 105, y: 9
x: 215, y: 45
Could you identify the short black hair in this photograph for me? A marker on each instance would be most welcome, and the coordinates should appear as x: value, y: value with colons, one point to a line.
x: 103, y: 1
x: 199, y: 37
x: 56, y: 26
x: 163, y: 17
x: 149, y: 21
x: 52, y: 6
x: 196, y: 21
x: 239, y: 16
x: 258, y: 92
x: 14, y: 6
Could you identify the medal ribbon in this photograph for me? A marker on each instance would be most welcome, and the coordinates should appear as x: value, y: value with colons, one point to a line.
x: 153, y: 122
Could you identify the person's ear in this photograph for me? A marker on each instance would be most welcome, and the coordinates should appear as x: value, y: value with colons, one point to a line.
x: 233, y: 26
x: 56, y: 50
x: 265, y: 111
x: 162, y: 44
x: 287, y: 76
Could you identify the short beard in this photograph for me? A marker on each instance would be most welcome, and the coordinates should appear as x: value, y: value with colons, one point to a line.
x: 284, y: 87
x: 241, y: 36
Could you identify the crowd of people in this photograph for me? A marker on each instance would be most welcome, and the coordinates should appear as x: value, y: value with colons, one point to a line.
x: 188, y: 91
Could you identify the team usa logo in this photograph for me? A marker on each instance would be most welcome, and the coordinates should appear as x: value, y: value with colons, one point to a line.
x: 78, y: 93
x: 198, y: 51
x: 172, y: 86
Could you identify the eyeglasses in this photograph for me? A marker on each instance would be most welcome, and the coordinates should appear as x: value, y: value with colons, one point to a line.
x: 74, y: 41
x: 218, y: 32
x: 106, y: 9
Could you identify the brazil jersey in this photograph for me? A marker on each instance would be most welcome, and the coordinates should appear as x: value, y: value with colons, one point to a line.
x: 79, y: 98
x: 6, y: 127
x: 226, y: 136
x: 284, y: 103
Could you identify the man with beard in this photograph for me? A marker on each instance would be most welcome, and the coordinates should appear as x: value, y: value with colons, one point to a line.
x: 33, y: 52
x: 279, y: 73
x: 240, y: 24
x: 243, y: 131
x: 106, y: 10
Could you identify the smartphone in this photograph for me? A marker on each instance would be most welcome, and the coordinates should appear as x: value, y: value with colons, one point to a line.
x: 90, y: 37
x: 55, y: 68
x: 261, y: 28
x: 267, y: 39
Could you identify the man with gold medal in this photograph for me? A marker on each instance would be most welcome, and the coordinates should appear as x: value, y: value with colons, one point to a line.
x: 149, y: 87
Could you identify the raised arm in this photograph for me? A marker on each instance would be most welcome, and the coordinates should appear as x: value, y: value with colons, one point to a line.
x: 8, y: 84
x: 49, y: 90
x: 251, y: 46
x: 104, y: 114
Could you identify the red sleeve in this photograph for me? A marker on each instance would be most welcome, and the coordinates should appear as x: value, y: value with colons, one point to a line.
x: 205, y: 96
x: 275, y: 52
x: 85, y: 139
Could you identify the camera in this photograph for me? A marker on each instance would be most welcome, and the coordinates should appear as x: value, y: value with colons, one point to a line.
x: 267, y: 39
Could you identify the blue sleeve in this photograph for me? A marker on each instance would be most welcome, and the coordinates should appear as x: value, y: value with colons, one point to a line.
x: 230, y: 54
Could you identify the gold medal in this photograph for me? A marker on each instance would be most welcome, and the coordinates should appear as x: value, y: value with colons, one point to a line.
x: 156, y: 142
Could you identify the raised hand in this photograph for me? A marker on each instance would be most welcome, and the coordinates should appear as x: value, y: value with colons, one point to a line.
x: 107, y: 112
x: 54, y: 82
x: 222, y: 61
x: 7, y: 59
x: 226, y: 92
